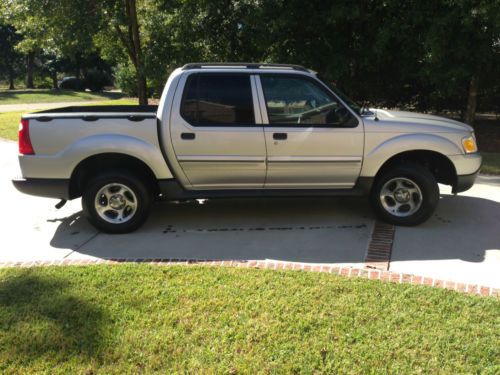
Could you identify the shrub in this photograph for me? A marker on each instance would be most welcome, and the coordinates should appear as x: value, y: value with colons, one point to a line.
x: 125, y: 79
x: 72, y: 83
x: 43, y: 82
x: 96, y: 80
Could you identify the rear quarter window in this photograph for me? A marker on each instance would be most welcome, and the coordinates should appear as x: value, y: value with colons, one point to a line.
x: 218, y: 99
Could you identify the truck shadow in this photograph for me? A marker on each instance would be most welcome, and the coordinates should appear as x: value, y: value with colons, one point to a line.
x: 462, y: 227
x: 316, y: 230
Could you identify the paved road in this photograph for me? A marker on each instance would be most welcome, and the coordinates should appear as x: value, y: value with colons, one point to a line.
x: 460, y: 243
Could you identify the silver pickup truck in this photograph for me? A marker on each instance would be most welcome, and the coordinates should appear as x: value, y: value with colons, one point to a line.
x: 243, y: 130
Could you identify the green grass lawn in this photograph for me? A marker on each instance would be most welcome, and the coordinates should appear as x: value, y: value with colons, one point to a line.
x: 47, y: 96
x: 144, y: 319
x: 491, y: 163
x: 9, y: 122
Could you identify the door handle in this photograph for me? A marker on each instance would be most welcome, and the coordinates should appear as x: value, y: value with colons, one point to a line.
x: 280, y: 136
x: 188, y: 136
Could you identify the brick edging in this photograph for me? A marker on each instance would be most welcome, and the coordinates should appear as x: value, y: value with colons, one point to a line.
x: 379, y: 250
x: 372, y: 274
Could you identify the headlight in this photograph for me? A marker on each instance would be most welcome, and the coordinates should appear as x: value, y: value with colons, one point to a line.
x: 469, y: 144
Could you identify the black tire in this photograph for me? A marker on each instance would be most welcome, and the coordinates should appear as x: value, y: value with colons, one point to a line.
x: 422, y: 178
x: 138, y: 188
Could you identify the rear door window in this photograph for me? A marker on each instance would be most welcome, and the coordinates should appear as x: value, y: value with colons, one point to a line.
x: 218, y: 99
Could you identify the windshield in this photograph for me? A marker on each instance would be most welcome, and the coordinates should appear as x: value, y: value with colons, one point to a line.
x: 351, y: 103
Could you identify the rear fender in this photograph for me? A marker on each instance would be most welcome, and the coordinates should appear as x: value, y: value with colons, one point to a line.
x: 62, y: 164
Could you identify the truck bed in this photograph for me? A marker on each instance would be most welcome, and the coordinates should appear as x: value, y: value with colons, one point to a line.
x: 104, y: 109
x: 64, y: 137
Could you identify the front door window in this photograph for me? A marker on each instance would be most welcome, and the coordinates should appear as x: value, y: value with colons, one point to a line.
x: 297, y: 101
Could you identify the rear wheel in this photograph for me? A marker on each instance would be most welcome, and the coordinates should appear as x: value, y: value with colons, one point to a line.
x: 116, y: 202
x: 405, y: 195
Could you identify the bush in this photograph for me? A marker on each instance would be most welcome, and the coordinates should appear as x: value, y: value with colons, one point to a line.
x: 125, y: 80
x: 96, y: 80
x: 42, y: 82
x: 72, y: 83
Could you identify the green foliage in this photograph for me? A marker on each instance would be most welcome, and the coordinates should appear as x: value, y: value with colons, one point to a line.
x: 93, y: 80
x: 125, y: 79
x: 416, y: 53
x: 461, y: 40
x: 144, y: 319
x: 43, y: 83
x: 65, y: 26
x: 96, y: 80
x: 10, y: 60
x: 73, y: 84
x: 392, y: 53
x: 491, y: 163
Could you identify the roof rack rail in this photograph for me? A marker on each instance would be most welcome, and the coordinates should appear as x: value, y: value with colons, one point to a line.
x: 245, y: 65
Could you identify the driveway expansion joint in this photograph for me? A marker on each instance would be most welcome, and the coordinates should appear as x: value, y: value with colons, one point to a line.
x: 82, y: 245
x: 379, y: 250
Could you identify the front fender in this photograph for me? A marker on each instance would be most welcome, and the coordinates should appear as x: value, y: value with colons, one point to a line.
x: 377, y: 153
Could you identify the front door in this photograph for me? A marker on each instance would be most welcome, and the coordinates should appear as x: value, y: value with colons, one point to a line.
x: 217, y: 134
x: 313, y: 141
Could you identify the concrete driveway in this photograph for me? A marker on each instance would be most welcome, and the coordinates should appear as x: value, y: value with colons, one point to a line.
x: 460, y: 243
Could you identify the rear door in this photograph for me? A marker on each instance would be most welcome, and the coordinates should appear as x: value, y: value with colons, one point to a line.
x: 217, y: 131
x: 313, y: 140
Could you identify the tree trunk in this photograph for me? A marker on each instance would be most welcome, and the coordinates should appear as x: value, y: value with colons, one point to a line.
x: 142, y: 88
x: 30, y: 65
x: 53, y: 75
x: 132, y: 44
x: 11, y: 78
x: 470, y: 113
x: 78, y: 70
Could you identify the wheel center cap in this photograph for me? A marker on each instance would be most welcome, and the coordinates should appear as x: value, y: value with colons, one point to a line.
x: 402, y: 195
x: 117, y: 202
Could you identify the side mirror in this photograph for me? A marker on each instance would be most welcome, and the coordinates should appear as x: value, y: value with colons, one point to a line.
x: 337, y: 116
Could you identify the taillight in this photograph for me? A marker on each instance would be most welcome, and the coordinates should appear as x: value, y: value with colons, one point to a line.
x: 25, y: 147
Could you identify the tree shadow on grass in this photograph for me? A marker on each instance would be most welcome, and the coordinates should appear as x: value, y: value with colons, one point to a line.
x: 39, y: 318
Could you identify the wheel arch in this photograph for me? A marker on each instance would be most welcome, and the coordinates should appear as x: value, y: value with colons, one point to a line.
x: 97, y: 163
x: 441, y: 167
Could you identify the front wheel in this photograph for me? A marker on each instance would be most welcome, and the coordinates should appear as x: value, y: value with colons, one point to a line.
x: 405, y: 195
x: 116, y: 202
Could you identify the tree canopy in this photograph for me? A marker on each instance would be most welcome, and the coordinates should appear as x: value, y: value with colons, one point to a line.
x: 427, y: 54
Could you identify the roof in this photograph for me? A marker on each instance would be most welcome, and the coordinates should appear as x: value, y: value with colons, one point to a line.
x: 242, y: 65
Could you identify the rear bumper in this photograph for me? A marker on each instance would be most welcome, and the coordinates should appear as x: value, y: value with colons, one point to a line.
x: 43, y: 187
x: 464, y: 182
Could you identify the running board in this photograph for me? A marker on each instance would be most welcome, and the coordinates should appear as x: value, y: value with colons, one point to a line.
x: 171, y: 189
